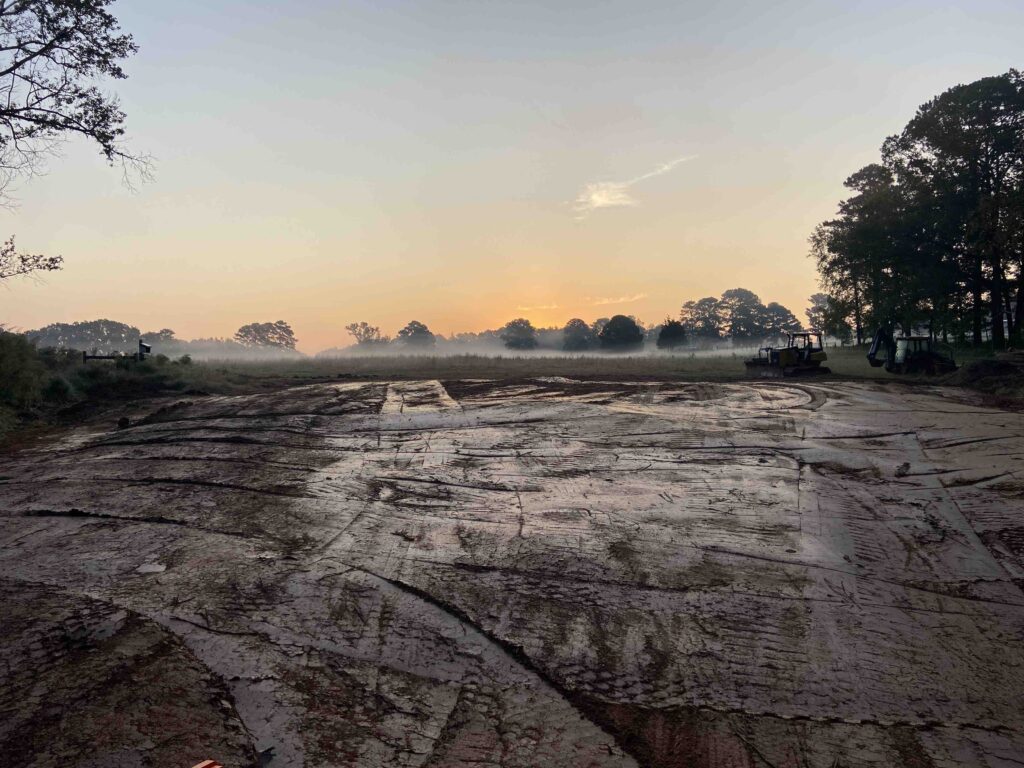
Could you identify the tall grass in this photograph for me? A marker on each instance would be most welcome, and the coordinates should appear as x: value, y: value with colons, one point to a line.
x: 721, y: 365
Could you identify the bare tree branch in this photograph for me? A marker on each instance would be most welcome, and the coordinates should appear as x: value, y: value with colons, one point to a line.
x: 14, y: 264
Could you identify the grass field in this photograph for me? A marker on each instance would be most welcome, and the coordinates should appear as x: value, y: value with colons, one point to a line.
x: 98, y: 384
x: 217, y: 375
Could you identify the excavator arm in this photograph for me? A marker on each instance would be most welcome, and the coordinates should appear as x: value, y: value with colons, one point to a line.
x: 882, y: 338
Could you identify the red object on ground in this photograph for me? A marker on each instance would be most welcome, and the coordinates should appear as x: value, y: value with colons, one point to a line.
x: 208, y: 764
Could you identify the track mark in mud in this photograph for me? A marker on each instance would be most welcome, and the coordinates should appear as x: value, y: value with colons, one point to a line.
x: 513, y: 652
x: 66, y: 656
x: 75, y: 513
x: 152, y: 481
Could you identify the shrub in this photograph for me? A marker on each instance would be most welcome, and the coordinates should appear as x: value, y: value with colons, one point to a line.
x: 57, y: 390
x: 21, y: 372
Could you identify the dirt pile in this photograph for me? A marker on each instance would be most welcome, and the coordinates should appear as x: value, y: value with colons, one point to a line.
x: 1002, y: 375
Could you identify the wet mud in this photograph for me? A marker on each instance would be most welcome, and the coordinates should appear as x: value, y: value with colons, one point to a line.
x: 529, y: 573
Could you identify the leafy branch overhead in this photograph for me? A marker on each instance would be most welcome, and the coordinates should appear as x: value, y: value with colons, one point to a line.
x: 52, y: 54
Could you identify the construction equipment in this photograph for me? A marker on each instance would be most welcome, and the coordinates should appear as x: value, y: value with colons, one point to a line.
x: 802, y: 355
x: 910, y: 354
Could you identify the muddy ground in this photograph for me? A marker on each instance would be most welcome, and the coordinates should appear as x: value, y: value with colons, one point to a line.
x: 544, y: 572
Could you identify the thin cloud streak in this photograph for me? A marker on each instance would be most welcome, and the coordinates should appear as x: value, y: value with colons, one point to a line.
x: 615, y: 194
x: 537, y: 306
x: 605, y: 301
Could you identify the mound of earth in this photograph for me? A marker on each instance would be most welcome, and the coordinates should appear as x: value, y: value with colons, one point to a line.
x: 1001, y: 375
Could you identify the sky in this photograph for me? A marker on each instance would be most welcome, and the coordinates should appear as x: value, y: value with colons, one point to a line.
x: 466, y: 163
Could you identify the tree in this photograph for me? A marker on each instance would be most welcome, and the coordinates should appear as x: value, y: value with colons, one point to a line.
x: 672, y: 334
x: 934, y: 235
x: 52, y: 54
x: 14, y: 264
x: 366, y: 335
x: 519, y: 334
x: 163, y: 336
x: 278, y: 334
x: 416, y: 334
x: 829, y: 316
x: 742, y: 313
x: 962, y: 156
x: 577, y: 336
x: 621, y: 334
x: 598, y: 325
x: 702, y: 319
x: 778, y: 321
x: 817, y: 306
x: 859, y: 253
x: 104, y: 336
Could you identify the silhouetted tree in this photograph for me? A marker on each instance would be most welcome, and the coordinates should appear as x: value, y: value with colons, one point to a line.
x: 620, y: 334
x: 778, y: 321
x: 519, y: 334
x: 961, y: 158
x: 702, y: 319
x: 742, y: 313
x: 935, y: 233
x: 598, y: 325
x: 416, y: 334
x: 53, y: 54
x: 366, y: 335
x: 672, y: 334
x: 817, y: 304
x: 829, y: 316
x: 278, y: 334
x: 577, y: 336
x: 857, y: 253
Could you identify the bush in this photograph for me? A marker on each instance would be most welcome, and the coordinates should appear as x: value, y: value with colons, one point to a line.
x: 21, y: 371
x: 57, y: 390
x: 185, y: 360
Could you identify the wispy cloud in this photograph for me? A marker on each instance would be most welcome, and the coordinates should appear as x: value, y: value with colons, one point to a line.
x: 537, y: 306
x: 602, y: 301
x: 616, y: 194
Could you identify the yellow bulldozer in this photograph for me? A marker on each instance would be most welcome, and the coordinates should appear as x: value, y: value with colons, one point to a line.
x: 802, y: 355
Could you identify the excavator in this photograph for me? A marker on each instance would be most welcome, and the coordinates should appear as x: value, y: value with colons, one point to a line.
x: 802, y: 355
x: 910, y: 354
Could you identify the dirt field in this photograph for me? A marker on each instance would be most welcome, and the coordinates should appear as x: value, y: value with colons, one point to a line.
x: 540, y: 573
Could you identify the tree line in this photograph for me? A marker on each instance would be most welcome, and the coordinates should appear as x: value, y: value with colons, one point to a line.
x: 111, y: 337
x: 932, y: 236
x: 736, y: 317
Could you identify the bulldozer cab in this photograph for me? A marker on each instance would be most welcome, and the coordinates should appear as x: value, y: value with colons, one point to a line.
x: 806, y: 345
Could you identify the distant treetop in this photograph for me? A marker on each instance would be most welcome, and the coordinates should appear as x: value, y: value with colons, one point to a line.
x: 621, y: 333
x: 278, y: 334
x: 519, y: 334
x: 416, y: 334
